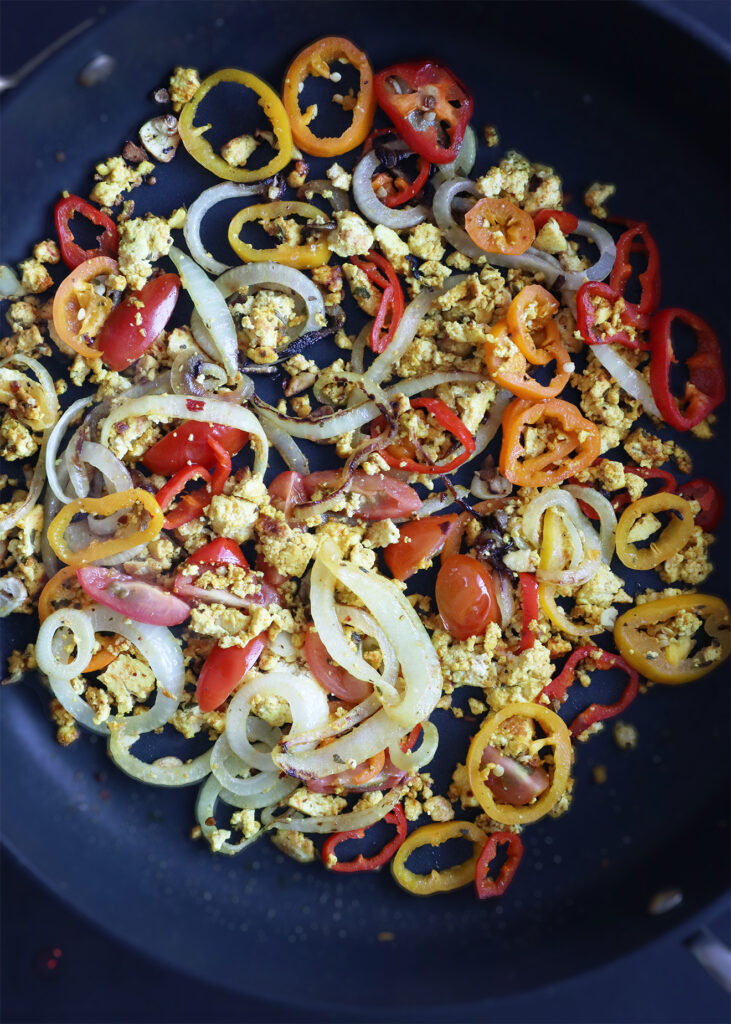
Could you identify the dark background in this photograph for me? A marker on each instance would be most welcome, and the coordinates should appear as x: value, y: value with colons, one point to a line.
x: 96, y: 978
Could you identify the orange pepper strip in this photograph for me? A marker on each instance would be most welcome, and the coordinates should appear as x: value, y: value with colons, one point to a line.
x: 583, y: 438
x: 531, y: 312
x: 66, y: 304
x: 103, y: 507
x: 51, y: 593
x: 315, y: 60
x: 374, y: 766
x: 508, y: 366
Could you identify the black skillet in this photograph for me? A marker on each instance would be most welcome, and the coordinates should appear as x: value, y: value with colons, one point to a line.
x: 618, y: 96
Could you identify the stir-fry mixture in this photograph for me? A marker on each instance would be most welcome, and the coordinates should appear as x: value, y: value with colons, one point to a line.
x: 284, y: 623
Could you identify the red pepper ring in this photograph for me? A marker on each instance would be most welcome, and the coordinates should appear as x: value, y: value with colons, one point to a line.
x: 447, y: 419
x: 177, y: 482
x: 529, y: 600
x: 558, y: 687
x: 586, y: 317
x: 380, y: 273
x: 486, y: 886
x: 72, y: 253
x: 706, y: 385
x: 567, y: 222
x: 668, y: 487
x: 637, y: 314
x: 360, y: 863
x: 710, y: 500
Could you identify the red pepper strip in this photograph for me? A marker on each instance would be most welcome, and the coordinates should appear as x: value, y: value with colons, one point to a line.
x: 486, y: 886
x: 559, y: 686
x: 710, y: 500
x: 72, y: 253
x: 381, y: 338
x: 451, y: 422
x: 223, y: 465
x: 567, y: 222
x: 191, y: 505
x: 529, y: 600
x: 586, y: 317
x: 668, y: 486
x: 637, y: 314
x: 382, y: 334
x: 395, y: 817
x: 176, y: 483
x: 376, y: 134
x: 706, y: 384
x: 413, y: 188
x: 407, y: 743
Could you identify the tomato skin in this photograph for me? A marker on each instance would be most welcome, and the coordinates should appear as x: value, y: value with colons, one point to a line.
x: 136, y: 599
x: 224, y: 669
x: 465, y: 596
x: 331, y: 677
x: 519, y: 784
x: 385, y: 496
x: 287, y: 491
x: 188, y: 443
x: 123, y: 339
x: 420, y: 540
x: 710, y: 500
x: 221, y: 551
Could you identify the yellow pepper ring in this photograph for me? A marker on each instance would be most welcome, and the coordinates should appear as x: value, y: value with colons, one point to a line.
x: 643, y: 651
x: 313, y: 255
x: 438, y: 881
x: 553, y: 558
x: 674, y: 537
x: 103, y: 507
x: 202, y: 151
x: 557, y: 736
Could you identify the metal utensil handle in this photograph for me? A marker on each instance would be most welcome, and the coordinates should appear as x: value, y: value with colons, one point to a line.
x: 10, y: 81
x: 713, y: 955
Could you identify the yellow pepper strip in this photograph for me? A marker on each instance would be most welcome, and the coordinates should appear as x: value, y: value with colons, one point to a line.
x: 557, y: 736
x: 638, y: 634
x: 553, y: 558
x: 202, y: 151
x: 435, y: 835
x: 315, y: 60
x: 103, y: 507
x: 314, y: 254
x: 674, y: 537
x: 55, y: 590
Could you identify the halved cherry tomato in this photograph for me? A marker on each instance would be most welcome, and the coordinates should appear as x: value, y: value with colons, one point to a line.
x: 384, y: 496
x: 135, y: 599
x: 465, y: 595
x: 221, y: 551
x: 189, y: 443
x: 567, y: 222
x: 710, y: 500
x: 497, y: 225
x: 72, y: 253
x: 331, y: 677
x: 518, y: 784
x: 137, y: 321
x: 422, y: 539
x: 224, y: 669
x: 286, y: 491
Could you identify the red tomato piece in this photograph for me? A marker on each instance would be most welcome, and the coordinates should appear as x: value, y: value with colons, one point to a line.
x: 135, y: 599
x: 331, y: 677
x: 224, y: 669
x: 567, y: 222
x: 465, y: 596
x: 221, y: 551
x: 519, y: 784
x: 188, y: 443
x: 137, y: 321
x: 420, y: 540
x: 286, y: 491
x: 384, y: 496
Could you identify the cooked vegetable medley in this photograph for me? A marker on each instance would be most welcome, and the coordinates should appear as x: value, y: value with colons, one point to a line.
x: 289, y: 618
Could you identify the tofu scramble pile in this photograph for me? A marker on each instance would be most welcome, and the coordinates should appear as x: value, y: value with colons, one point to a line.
x: 181, y: 583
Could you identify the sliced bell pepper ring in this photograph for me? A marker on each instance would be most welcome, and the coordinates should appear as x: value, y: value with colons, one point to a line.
x: 620, y: 500
x: 381, y: 273
x: 508, y: 366
x: 529, y: 601
x: 329, y: 857
x: 638, y: 634
x: 71, y: 251
x: 176, y: 484
x: 202, y: 151
x: 310, y: 254
x: 672, y: 539
x: 75, y: 331
x: 556, y: 736
x: 451, y: 422
x: 137, y: 321
x: 638, y: 314
x: 104, y: 507
x: 189, y: 443
x: 315, y: 59
x: 52, y: 592
x: 531, y: 313
x: 404, y: 189
x: 710, y: 500
x: 553, y: 559
x: 583, y: 439
x: 424, y: 99
x: 558, y: 687
x: 448, y: 878
x: 191, y: 505
x: 591, y: 301
x: 567, y: 222
x: 706, y: 385
x: 499, y: 226
x: 486, y: 886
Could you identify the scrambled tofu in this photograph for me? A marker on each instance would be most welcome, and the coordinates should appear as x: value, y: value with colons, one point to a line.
x: 142, y: 242
x: 596, y: 196
x: 115, y: 177
x: 691, y: 564
x: 295, y: 844
x: 425, y: 242
x: 533, y: 186
x: 234, y: 514
x: 184, y: 84
x: 128, y: 681
x: 351, y: 237
x: 262, y: 320
x: 34, y: 276
x: 316, y: 805
x: 605, y: 403
x: 237, y: 151
x: 285, y: 548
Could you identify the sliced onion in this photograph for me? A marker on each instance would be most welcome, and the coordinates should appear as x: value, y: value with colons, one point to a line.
x: 285, y: 444
x: 598, y: 271
x: 81, y: 627
x: 337, y: 197
x: 336, y: 725
x: 222, y: 756
x: 463, y: 163
x: 205, y: 812
x: 350, y: 822
x: 371, y: 206
x: 197, y: 211
x: 504, y: 597
x: 10, y: 286
x: 563, y: 499
x: 627, y: 377
x: 163, y: 772
x: 12, y: 595
x: 34, y: 492
x: 188, y: 368
x: 116, y: 475
x: 279, y: 789
x: 214, y: 410
x: 362, y: 622
x: 214, y: 315
x: 607, y: 516
x: 45, y: 383
x: 54, y: 440
x: 306, y: 699
x: 414, y: 760
x: 357, y: 356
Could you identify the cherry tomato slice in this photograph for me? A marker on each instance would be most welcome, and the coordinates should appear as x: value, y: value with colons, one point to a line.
x: 497, y: 225
x: 135, y: 599
x: 384, y: 496
x: 420, y: 540
x: 286, y: 491
x: 224, y: 669
x: 188, y: 444
x: 137, y: 321
x: 221, y: 551
x: 465, y: 596
x: 710, y: 500
x: 333, y: 678
x: 519, y: 784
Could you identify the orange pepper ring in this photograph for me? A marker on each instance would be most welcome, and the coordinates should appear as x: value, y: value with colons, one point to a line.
x: 521, y: 413
x: 547, y: 307
x: 45, y: 607
x: 66, y: 305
